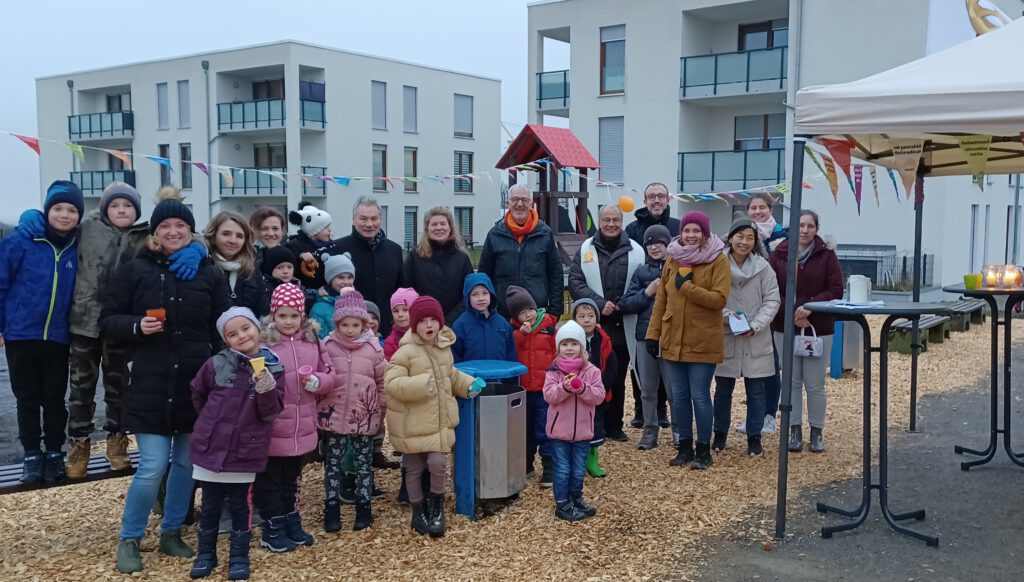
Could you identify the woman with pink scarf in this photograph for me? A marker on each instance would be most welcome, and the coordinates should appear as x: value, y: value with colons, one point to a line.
x: 686, y: 331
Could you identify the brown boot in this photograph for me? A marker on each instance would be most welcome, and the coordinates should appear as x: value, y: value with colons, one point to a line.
x: 117, y: 452
x: 78, y: 458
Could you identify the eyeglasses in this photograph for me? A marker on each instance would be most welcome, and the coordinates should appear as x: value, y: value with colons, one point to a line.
x: 657, y: 197
x: 611, y: 220
x: 517, y: 200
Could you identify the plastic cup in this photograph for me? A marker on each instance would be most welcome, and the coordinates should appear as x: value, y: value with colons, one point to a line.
x: 159, y: 313
x: 972, y: 281
x: 258, y: 364
x: 304, y: 374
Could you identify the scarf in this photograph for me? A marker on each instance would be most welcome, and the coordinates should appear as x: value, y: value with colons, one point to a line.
x: 569, y: 365
x: 373, y: 242
x: 229, y: 267
x: 805, y: 254
x: 365, y: 337
x: 520, y: 232
x: 766, y: 228
x: 696, y: 254
x: 610, y: 244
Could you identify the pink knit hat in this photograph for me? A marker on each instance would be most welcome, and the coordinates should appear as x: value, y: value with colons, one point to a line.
x: 403, y: 296
x: 287, y: 295
x: 699, y: 218
x: 350, y: 304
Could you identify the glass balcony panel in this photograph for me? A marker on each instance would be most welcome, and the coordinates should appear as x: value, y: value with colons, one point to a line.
x: 732, y: 68
x: 699, y: 71
x: 767, y: 65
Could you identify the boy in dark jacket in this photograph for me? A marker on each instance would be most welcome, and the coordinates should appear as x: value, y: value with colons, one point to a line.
x: 599, y: 350
x: 278, y: 266
x: 480, y: 333
x: 37, y: 281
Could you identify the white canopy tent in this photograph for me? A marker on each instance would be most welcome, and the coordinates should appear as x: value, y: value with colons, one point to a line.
x: 975, y: 88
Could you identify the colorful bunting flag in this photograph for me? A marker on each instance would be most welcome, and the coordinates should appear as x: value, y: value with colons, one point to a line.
x: 814, y: 158
x: 906, y: 154
x: 77, y: 150
x: 201, y: 167
x: 162, y: 161
x: 892, y: 176
x: 858, y: 177
x: 341, y: 180
x: 123, y: 156
x: 874, y: 184
x: 225, y: 174
x: 833, y: 180
x: 32, y: 142
x: 840, y: 150
x: 976, y: 148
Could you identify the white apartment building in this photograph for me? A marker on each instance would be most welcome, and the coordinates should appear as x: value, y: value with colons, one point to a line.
x: 693, y: 93
x: 288, y: 107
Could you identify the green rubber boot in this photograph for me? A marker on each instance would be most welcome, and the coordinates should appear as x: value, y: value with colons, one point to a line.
x: 593, y: 465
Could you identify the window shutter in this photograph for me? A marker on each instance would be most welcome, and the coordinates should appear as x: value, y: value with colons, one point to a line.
x: 613, y: 33
x: 610, y: 148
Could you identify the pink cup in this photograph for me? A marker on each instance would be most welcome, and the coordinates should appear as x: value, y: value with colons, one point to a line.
x: 304, y: 373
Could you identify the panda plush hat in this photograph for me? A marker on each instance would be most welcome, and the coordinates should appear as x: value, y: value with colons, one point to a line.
x: 310, y: 219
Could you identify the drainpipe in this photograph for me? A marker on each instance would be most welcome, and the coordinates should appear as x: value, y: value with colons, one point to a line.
x: 71, y: 101
x: 209, y: 142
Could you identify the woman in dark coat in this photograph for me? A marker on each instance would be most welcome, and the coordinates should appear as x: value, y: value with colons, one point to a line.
x: 439, y: 264
x: 230, y: 241
x: 168, y: 327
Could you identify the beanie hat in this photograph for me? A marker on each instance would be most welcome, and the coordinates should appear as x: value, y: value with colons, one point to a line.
x: 518, y: 299
x: 309, y: 218
x: 232, y: 313
x: 170, y: 206
x: 62, y: 191
x: 696, y: 217
x: 403, y: 296
x: 423, y: 307
x: 274, y: 257
x: 350, y: 304
x: 657, y: 234
x: 372, y: 309
x: 336, y: 265
x: 117, y: 190
x: 586, y: 301
x: 740, y: 221
x: 287, y: 295
x: 571, y: 330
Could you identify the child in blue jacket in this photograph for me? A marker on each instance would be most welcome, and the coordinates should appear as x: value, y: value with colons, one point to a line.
x: 37, y: 280
x: 480, y: 333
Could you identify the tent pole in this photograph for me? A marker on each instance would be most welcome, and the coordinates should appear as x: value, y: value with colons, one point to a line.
x: 785, y: 403
x: 915, y: 334
x: 1016, y: 222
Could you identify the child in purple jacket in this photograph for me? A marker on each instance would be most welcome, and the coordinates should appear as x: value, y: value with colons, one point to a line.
x: 237, y: 393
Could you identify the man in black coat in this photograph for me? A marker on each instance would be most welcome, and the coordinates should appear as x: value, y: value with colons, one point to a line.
x: 520, y: 250
x: 655, y: 211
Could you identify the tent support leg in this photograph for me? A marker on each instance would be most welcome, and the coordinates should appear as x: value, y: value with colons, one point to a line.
x: 915, y: 337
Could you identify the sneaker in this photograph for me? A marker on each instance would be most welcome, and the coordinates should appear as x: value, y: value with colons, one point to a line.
x: 754, y: 448
x: 567, y: 511
x: 129, y: 559
x: 649, y: 440
x: 32, y: 468
x: 78, y: 457
x: 718, y: 444
x: 171, y: 544
x: 769, y: 425
x: 53, y: 467
x: 637, y: 422
x: 585, y: 508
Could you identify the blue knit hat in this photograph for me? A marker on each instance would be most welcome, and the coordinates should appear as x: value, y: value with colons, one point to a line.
x: 62, y: 191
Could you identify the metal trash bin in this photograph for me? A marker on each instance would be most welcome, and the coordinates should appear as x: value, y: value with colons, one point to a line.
x: 500, y: 441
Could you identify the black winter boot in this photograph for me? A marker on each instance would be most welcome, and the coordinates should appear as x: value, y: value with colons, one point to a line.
x: 32, y: 468
x: 420, y: 519
x: 703, y: 458
x: 568, y: 511
x: 583, y: 507
x: 293, y: 527
x: 685, y: 454
x: 437, y: 517
x: 364, y: 516
x: 206, y: 554
x: 754, y: 448
x: 238, y: 558
x: 332, y: 517
x: 54, y: 467
x: 275, y: 535
x: 718, y: 444
x: 796, y: 438
x: 381, y: 462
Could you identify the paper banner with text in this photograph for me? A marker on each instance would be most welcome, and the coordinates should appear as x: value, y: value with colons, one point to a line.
x: 858, y: 178
x: 833, y: 180
x: 977, y: 149
x: 906, y: 154
x: 840, y: 151
x: 874, y: 185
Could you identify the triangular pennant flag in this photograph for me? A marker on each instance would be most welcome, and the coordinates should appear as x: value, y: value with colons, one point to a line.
x: 201, y: 167
x: 906, y: 154
x: 341, y: 180
x: 840, y: 150
x: 77, y: 150
x: 833, y: 180
x: 123, y: 156
x: 874, y: 184
x: 976, y: 148
x: 32, y: 142
x: 783, y: 189
x: 814, y: 158
x: 162, y: 161
x: 225, y: 174
x: 892, y: 176
x: 275, y: 174
x: 858, y: 177
x: 306, y: 180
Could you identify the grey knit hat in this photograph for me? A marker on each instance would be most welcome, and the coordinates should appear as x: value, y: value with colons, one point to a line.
x: 740, y: 221
x: 657, y: 233
x: 336, y: 265
x: 586, y: 301
x: 120, y: 190
x: 232, y: 313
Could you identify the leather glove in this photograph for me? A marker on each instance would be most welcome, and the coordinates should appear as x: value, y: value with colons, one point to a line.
x: 313, y: 384
x: 265, y: 382
x: 185, y: 262
x: 653, y: 347
x: 32, y: 223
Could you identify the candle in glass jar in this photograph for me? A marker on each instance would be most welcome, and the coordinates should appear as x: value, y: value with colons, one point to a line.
x: 991, y: 276
x: 1011, y: 276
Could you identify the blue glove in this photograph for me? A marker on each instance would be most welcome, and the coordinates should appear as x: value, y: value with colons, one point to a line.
x: 477, y: 387
x: 32, y: 223
x: 185, y: 262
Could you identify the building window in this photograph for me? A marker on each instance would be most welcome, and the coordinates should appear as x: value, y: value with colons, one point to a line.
x: 760, y: 132
x: 410, y: 226
x: 380, y: 167
x: 164, y: 151
x: 464, y: 222
x: 185, y: 151
x: 379, y: 104
x: 161, y: 106
x: 610, y: 148
x: 269, y: 155
x: 463, y: 115
x: 184, y: 106
x: 764, y: 35
x: 613, y: 59
x: 463, y: 165
x: 409, y: 109
x: 410, y: 169
x: 269, y: 89
x: 119, y: 102
x: 384, y: 218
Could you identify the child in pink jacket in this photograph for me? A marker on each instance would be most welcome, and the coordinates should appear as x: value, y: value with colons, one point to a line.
x: 353, y: 411
x: 293, y: 337
x: 572, y: 389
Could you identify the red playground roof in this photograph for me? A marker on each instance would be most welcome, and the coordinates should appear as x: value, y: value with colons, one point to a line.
x: 558, y: 144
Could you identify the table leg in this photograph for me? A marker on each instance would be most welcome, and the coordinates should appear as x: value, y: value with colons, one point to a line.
x: 1007, y: 354
x: 989, y: 451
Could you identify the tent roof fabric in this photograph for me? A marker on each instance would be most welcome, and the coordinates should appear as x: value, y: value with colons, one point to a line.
x: 559, y: 145
x: 973, y: 88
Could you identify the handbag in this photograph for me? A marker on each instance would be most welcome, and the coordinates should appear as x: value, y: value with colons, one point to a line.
x: 806, y: 346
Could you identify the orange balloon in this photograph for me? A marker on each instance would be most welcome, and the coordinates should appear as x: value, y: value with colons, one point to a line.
x: 626, y: 203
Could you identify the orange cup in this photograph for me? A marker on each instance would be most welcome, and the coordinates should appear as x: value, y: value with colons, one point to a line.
x: 159, y: 313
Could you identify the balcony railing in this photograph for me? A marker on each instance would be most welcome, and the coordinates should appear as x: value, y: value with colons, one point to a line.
x: 90, y: 126
x: 315, y: 187
x: 739, y: 73
x: 312, y: 114
x: 253, y: 182
x: 264, y: 114
x: 725, y: 171
x: 92, y: 183
x: 553, y: 90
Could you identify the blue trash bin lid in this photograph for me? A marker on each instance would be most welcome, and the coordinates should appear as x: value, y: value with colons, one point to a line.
x: 492, y: 369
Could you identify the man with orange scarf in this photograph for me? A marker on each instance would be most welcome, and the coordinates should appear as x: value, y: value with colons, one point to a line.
x: 520, y: 250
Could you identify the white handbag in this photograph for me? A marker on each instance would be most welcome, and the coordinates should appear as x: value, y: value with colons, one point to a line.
x: 806, y: 346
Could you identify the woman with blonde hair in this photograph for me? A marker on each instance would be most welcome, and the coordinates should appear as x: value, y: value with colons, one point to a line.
x: 438, y: 265
x: 230, y: 240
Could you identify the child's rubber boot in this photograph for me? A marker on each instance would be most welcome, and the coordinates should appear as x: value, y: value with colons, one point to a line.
x: 593, y: 465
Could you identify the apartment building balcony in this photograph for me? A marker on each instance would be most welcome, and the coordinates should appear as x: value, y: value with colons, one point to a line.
x: 253, y: 182
x: 250, y: 115
x: 114, y: 125
x: 312, y: 114
x: 315, y: 187
x: 725, y: 171
x: 553, y: 92
x: 760, y: 72
x: 92, y: 182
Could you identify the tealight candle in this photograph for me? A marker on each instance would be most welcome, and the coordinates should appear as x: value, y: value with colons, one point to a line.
x: 1011, y: 276
x: 991, y: 273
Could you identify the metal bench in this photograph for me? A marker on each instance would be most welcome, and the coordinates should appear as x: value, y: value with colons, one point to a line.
x: 99, y: 469
x: 965, y: 312
x: 933, y: 328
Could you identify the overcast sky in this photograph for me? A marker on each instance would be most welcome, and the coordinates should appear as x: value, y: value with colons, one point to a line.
x: 484, y: 37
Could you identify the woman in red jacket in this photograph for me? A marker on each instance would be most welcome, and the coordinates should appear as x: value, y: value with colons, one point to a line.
x: 819, y: 278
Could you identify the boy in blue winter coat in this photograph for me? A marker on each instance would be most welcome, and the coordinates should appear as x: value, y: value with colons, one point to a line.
x: 339, y: 273
x: 37, y: 280
x: 480, y: 333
